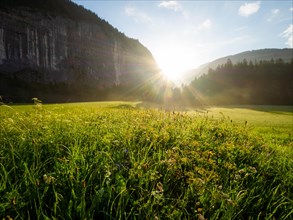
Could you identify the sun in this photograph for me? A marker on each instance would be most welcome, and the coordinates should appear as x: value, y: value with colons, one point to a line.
x: 172, y: 73
x: 174, y: 61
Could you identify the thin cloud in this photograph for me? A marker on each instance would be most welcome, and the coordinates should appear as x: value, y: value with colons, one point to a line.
x: 274, y: 13
x: 240, y: 28
x: 248, y: 9
x: 207, y: 24
x: 288, y: 34
x: 139, y: 16
x: 291, y: 9
x: 225, y: 43
x: 235, y: 41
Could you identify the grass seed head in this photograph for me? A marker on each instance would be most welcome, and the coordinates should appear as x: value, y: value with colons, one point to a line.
x: 48, y: 179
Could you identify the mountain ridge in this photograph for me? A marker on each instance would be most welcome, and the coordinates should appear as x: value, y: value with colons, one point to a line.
x: 266, y: 54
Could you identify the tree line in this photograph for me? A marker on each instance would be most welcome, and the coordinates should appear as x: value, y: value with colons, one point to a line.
x: 251, y: 83
x: 262, y: 83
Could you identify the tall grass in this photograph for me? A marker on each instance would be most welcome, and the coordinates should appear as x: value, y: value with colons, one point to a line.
x: 121, y: 162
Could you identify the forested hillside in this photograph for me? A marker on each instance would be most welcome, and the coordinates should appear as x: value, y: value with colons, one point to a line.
x: 267, y: 54
x: 263, y: 82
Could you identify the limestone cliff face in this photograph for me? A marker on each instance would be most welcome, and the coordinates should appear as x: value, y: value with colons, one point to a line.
x: 37, y: 47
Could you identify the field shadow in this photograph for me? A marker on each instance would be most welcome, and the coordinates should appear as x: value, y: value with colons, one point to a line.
x: 124, y: 106
x: 273, y: 109
x: 172, y: 107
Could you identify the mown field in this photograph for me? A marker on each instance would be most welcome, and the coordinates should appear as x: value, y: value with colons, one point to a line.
x: 116, y: 160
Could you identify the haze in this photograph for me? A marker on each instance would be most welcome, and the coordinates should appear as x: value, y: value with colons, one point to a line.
x: 184, y: 34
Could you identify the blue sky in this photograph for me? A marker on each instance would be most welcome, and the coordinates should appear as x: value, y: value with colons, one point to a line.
x: 185, y: 34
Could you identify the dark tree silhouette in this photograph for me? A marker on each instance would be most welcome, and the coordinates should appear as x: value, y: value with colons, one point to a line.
x: 263, y: 82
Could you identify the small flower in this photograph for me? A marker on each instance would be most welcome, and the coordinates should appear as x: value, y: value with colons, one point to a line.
x: 10, y: 120
x: 160, y: 187
x: 184, y: 160
x: 241, y: 171
x: 253, y: 169
x: 237, y: 177
x: 36, y: 101
x: 48, y: 179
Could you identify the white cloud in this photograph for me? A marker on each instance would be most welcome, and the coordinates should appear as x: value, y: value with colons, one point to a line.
x: 291, y: 9
x: 288, y: 33
x: 139, y: 16
x: 207, y: 24
x: 172, y: 5
x: 248, y: 9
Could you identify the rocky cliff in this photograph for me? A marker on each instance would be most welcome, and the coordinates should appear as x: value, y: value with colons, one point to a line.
x: 42, y: 46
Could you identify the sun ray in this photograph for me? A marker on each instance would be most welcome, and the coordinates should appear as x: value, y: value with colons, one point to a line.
x: 173, y: 61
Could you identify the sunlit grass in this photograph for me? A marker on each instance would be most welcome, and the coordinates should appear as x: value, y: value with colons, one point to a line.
x: 281, y: 116
x: 272, y: 122
x: 114, y: 160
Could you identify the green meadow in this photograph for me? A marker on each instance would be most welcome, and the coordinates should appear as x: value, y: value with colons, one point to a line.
x: 119, y: 160
x: 269, y: 122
